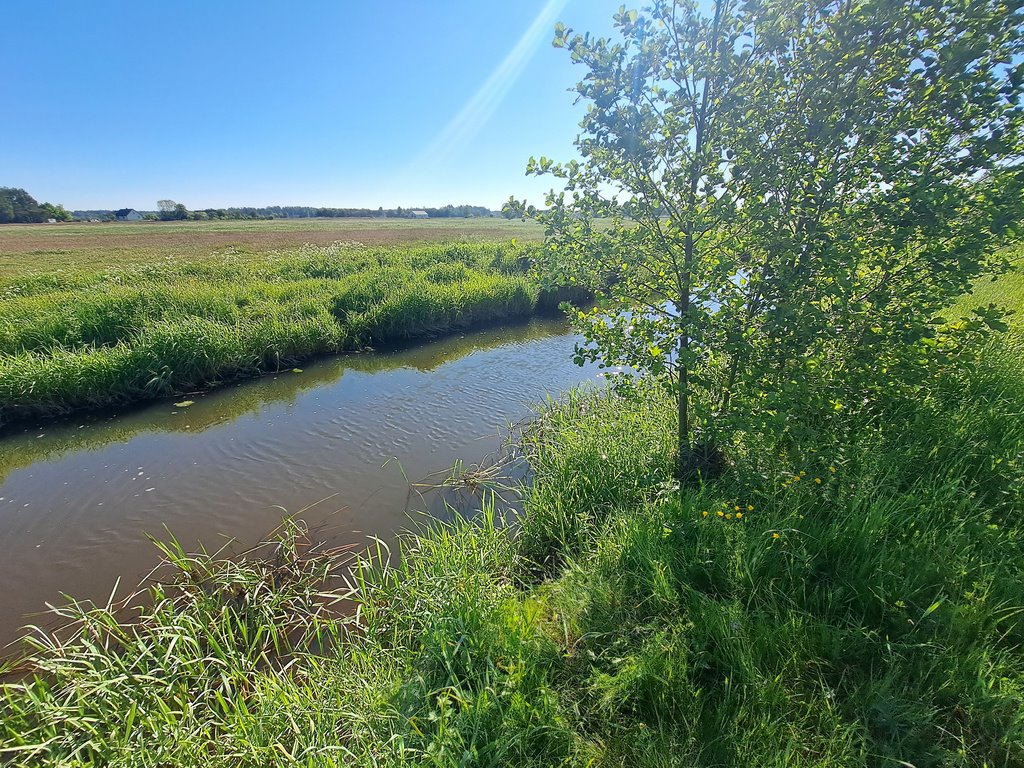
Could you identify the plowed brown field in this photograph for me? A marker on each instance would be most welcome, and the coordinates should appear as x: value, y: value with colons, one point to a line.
x: 29, y: 247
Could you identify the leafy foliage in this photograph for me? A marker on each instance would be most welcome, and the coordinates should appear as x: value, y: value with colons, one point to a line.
x: 19, y: 207
x: 792, y: 191
x: 56, y: 211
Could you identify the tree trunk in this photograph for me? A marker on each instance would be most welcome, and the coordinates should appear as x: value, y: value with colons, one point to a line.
x: 689, y: 463
x: 684, y: 463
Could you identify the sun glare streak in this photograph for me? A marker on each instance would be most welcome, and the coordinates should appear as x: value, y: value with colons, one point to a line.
x: 475, y: 114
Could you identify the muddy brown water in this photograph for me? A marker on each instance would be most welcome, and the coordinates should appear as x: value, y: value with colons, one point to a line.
x: 342, y: 439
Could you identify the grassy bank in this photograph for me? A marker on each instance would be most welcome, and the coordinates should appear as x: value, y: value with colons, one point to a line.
x: 857, y: 599
x: 1007, y: 291
x: 75, y: 339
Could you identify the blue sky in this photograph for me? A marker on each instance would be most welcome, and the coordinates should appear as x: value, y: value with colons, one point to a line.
x: 253, y: 102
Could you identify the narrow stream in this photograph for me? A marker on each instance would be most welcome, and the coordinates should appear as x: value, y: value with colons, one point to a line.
x: 338, y: 439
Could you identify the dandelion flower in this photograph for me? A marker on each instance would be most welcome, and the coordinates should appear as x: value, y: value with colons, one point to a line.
x: 832, y: 470
x: 817, y: 480
x: 737, y: 508
x: 704, y: 513
x: 720, y: 513
x: 750, y: 507
x: 729, y: 516
x: 775, y: 535
x: 739, y: 515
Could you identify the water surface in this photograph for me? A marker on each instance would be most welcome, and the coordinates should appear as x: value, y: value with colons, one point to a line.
x: 341, y: 439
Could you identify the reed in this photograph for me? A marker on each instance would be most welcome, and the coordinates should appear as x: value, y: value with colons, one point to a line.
x: 72, y: 341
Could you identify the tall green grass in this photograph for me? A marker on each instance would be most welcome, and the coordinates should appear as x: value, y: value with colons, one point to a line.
x: 74, y: 340
x: 852, y: 598
x: 203, y: 655
x: 846, y: 603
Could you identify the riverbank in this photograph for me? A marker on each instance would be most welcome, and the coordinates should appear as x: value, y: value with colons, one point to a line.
x: 855, y: 598
x: 73, y: 340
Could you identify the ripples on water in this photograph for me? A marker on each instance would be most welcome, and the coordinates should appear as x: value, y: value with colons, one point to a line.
x: 77, y: 499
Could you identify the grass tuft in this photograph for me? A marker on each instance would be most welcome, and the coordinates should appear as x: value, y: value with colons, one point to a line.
x: 84, y: 339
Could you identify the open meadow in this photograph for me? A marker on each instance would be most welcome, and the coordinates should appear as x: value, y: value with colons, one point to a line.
x: 26, y: 247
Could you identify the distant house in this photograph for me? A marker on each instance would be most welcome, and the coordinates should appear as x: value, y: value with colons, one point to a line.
x: 419, y: 214
x: 128, y: 214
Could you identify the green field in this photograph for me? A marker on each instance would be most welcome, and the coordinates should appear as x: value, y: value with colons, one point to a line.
x: 1006, y: 291
x: 29, y: 247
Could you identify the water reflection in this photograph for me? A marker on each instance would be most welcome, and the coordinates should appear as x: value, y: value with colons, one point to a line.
x: 78, y: 498
x: 21, y: 445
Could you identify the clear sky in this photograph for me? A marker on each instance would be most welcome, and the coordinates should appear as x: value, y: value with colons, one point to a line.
x: 216, y: 103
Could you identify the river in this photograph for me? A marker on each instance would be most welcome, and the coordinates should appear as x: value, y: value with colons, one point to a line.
x: 339, y: 440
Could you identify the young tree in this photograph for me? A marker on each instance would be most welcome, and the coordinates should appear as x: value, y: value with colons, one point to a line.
x: 779, y: 196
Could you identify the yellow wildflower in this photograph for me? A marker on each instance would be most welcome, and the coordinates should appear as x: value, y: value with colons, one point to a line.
x: 775, y: 535
x: 817, y: 480
x: 729, y: 516
x: 750, y: 507
x: 720, y: 513
x: 704, y: 514
x: 739, y: 515
x: 737, y: 508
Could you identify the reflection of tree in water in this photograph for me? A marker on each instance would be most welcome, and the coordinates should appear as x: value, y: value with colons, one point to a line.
x: 94, y: 432
x: 428, y: 357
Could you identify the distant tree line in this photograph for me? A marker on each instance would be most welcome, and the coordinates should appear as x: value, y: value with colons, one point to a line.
x: 169, y: 210
x: 308, y: 212
x: 19, y: 207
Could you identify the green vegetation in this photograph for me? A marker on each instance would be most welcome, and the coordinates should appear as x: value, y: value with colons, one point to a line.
x: 19, y: 207
x: 854, y: 597
x: 79, y: 339
x: 43, y: 247
x: 172, y: 211
x: 795, y: 192
x: 1006, y: 291
x: 797, y: 541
